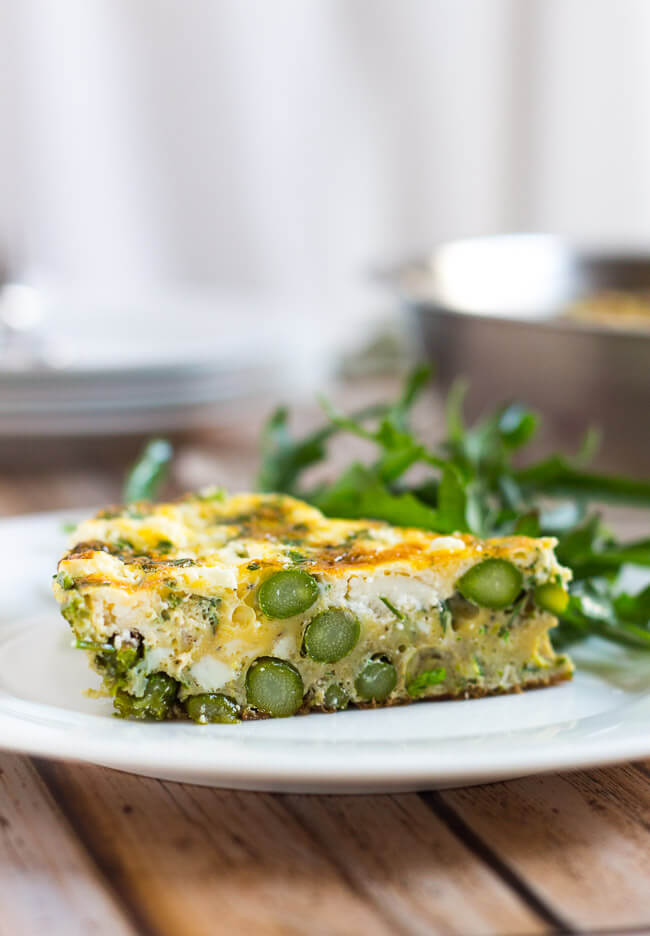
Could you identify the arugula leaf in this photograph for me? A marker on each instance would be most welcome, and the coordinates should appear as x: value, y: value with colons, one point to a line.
x: 149, y: 472
x: 285, y: 458
x: 360, y: 494
x: 593, y: 610
x: 556, y: 477
x: 282, y: 458
x: 528, y: 524
x: 517, y: 425
x: 452, y: 503
x: 634, y: 608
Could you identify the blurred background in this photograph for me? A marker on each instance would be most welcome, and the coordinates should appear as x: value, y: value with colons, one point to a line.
x: 207, y: 206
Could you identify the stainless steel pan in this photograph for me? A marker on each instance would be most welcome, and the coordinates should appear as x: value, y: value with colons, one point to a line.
x: 494, y: 309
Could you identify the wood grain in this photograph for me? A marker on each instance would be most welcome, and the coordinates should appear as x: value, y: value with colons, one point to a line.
x: 48, y: 885
x: 406, y: 861
x: 581, y: 841
x: 203, y: 862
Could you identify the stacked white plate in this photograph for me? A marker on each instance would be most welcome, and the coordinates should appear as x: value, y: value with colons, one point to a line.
x: 77, y: 365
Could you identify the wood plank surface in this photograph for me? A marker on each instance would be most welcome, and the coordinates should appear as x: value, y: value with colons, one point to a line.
x: 202, y: 862
x: 48, y: 884
x: 398, y: 853
x: 581, y: 841
x: 211, y: 861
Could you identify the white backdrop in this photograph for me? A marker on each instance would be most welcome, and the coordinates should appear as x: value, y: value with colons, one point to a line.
x: 289, y: 144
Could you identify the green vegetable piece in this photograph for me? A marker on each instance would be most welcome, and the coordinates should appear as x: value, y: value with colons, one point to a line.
x: 423, y: 680
x: 446, y: 616
x: 287, y: 593
x: 115, y: 664
x: 74, y: 610
x: 552, y: 598
x: 156, y: 702
x: 336, y: 697
x: 124, y: 659
x: 493, y: 583
x: 391, y: 607
x: 274, y: 686
x: 331, y: 635
x: 91, y: 645
x: 212, y: 708
x: 376, y: 680
x: 65, y: 580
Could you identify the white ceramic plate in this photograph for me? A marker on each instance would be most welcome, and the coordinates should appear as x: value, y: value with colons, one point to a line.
x: 602, y: 717
x: 115, y: 364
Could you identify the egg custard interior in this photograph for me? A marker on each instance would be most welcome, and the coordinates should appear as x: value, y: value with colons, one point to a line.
x: 220, y: 608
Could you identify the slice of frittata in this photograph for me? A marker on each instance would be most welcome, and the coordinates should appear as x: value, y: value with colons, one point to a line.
x: 221, y: 608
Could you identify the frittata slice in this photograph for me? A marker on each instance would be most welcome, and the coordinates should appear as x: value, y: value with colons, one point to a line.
x: 221, y: 608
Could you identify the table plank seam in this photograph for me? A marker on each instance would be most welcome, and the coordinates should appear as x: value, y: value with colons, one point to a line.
x: 130, y: 909
x: 395, y: 923
x: 485, y: 853
x: 636, y: 930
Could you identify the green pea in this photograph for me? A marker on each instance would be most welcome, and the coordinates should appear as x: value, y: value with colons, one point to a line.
x: 212, y: 707
x: 286, y: 593
x: 156, y: 702
x: 336, y: 697
x: 493, y: 583
x: 274, y: 686
x: 331, y: 635
x: 376, y: 680
x: 552, y: 598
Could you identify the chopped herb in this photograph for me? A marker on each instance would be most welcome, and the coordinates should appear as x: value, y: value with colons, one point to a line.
x: 123, y: 545
x: 254, y: 566
x: 210, y: 608
x: 391, y: 607
x: 516, y: 611
x: 424, y: 680
x: 164, y: 546
x: 446, y: 617
x: 172, y: 600
x: 297, y: 557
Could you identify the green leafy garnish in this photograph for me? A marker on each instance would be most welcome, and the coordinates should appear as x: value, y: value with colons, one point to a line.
x: 149, y: 472
x: 474, y: 482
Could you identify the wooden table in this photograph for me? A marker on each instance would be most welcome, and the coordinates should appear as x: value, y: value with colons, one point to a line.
x: 85, y: 850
